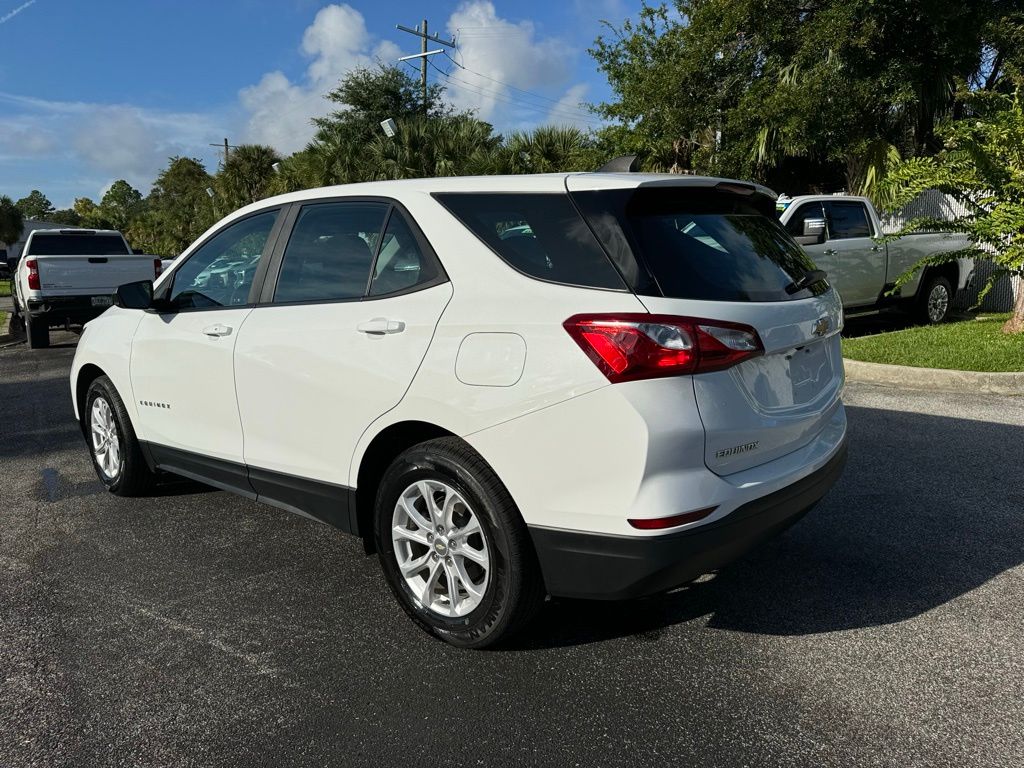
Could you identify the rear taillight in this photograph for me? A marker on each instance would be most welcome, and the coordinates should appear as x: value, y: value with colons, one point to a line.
x: 627, y: 347
x: 33, y: 275
x: 158, y: 267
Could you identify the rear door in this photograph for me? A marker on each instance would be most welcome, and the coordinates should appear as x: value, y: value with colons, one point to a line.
x: 861, y: 260
x: 334, y: 343
x: 723, y: 257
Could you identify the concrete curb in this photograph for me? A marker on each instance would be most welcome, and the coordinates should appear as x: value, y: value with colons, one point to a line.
x: 5, y: 329
x: 935, y: 379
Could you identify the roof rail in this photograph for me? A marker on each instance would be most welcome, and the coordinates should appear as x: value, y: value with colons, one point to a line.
x: 621, y: 164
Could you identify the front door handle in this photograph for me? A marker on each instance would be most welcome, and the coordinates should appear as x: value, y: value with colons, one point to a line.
x: 876, y: 248
x: 830, y: 251
x: 217, y: 330
x: 379, y: 326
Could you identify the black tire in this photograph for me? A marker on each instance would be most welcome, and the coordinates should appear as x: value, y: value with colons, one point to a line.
x: 37, y: 331
x: 514, y: 590
x: 934, y: 300
x: 133, y: 477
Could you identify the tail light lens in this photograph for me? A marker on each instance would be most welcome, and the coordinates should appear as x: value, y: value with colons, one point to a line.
x: 158, y: 268
x: 33, y: 275
x: 627, y: 347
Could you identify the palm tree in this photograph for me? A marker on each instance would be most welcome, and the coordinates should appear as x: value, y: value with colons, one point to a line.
x: 440, y: 146
x: 246, y: 175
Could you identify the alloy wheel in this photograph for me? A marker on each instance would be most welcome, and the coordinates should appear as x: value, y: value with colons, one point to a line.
x: 938, y: 302
x: 106, y: 445
x: 441, y: 548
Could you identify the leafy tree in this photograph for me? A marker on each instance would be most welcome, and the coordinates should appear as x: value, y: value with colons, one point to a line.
x: 549, y: 149
x: 826, y: 91
x: 35, y: 205
x: 12, y: 221
x: 178, y: 209
x: 246, y: 176
x: 65, y: 216
x: 981, y: 164
x: 90, y: 215
x: 121, y: 204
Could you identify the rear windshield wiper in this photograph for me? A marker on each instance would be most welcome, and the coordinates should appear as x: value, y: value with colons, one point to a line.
x: 806, y: 279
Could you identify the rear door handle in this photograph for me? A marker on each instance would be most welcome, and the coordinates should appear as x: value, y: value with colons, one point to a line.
x: 379, y: 326
x: 830, y: 251
x: 217, y: 330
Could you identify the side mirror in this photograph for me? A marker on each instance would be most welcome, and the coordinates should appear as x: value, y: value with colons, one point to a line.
x: 814, y: 232
x: 138, y: 295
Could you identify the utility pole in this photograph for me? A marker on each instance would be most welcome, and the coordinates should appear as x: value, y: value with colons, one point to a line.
x: 422, y: 33
x: 226, y: 148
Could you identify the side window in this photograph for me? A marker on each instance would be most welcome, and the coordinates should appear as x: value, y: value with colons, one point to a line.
x: 795, y: 225
x: 330, y: 252
x: 541, y: 235
x: 400, y: 264
x: 846, y: 220
x: 220, y: 272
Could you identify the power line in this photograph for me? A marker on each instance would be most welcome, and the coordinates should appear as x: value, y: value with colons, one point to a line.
x: 423, y: 55
x: 517, y: 102
x: 514, y: 88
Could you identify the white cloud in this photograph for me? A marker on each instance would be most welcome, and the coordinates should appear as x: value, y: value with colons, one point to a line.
x: 279, y: 110
x: 564, y: 110
x: 498, y: 53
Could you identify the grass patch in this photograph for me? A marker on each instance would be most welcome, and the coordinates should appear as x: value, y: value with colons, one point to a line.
x: 971, y: 345
x: 5, y: 287
x: 3, y: 320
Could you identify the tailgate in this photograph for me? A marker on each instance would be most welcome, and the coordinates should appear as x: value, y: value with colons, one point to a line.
x: 91, y: 275
x: 777, y: 403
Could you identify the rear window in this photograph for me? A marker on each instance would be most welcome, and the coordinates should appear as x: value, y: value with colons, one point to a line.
x: 77, y: 245
x: 702, y: 244
x: 540, y: 235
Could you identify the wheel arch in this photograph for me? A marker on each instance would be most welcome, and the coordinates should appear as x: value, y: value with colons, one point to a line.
x: 950, y: 270
x: 383, y: 449
x: 87, y: 374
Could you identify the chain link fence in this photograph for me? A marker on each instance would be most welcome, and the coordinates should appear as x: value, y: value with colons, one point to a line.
x: 938, y: 205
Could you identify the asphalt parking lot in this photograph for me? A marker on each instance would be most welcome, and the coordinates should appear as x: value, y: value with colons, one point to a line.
x: 198, y: 628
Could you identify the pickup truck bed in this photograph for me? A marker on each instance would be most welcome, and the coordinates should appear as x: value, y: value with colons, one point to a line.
x: 69, y: 277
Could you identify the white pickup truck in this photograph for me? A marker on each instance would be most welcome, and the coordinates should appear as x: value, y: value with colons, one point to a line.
x: 840, y: 233
x: 69, y: 276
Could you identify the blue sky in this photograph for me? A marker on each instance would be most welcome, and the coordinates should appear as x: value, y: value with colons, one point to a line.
x: 95, y: 91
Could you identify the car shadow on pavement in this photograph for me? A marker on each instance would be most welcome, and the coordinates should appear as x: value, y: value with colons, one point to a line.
x: 928, y: 509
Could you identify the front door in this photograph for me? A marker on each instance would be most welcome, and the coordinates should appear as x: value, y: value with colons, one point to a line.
x: 182, y: 366
x: 357, y: 297
x: 861, y: 259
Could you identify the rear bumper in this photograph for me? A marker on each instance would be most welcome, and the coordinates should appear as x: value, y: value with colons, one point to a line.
x: 57, y: 309
x: 608, y: 567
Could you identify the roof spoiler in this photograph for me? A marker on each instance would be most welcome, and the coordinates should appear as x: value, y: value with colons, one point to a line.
x: 621, y: 164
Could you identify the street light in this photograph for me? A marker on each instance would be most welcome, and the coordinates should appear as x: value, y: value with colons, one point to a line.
x: 390, y: 127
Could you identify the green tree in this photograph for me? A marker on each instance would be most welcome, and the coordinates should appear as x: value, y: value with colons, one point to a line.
x: 981, y: 164
x: 121, y: 204
x: 549, y: 149
x: 89, y: 214
x: 178, y: 209
x: 438, y: 146
x: 66, y: 216
x: 246, y: 176
x: 12, y: 221
x: 35, y: 205
x: 827, y: 92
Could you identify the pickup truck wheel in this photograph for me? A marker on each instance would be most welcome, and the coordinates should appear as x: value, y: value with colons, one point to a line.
x: 38, y: 332
x: 935, y: 300
x: 116, y: 454
x: 453, y: 546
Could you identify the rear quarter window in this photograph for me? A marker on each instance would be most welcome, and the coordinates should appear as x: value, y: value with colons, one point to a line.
x: 540, y: 235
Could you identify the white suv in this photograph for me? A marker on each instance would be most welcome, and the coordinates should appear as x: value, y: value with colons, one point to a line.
x: 592, y: 385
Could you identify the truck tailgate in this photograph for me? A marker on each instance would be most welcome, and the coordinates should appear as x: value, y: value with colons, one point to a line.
x: 91, y: 275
